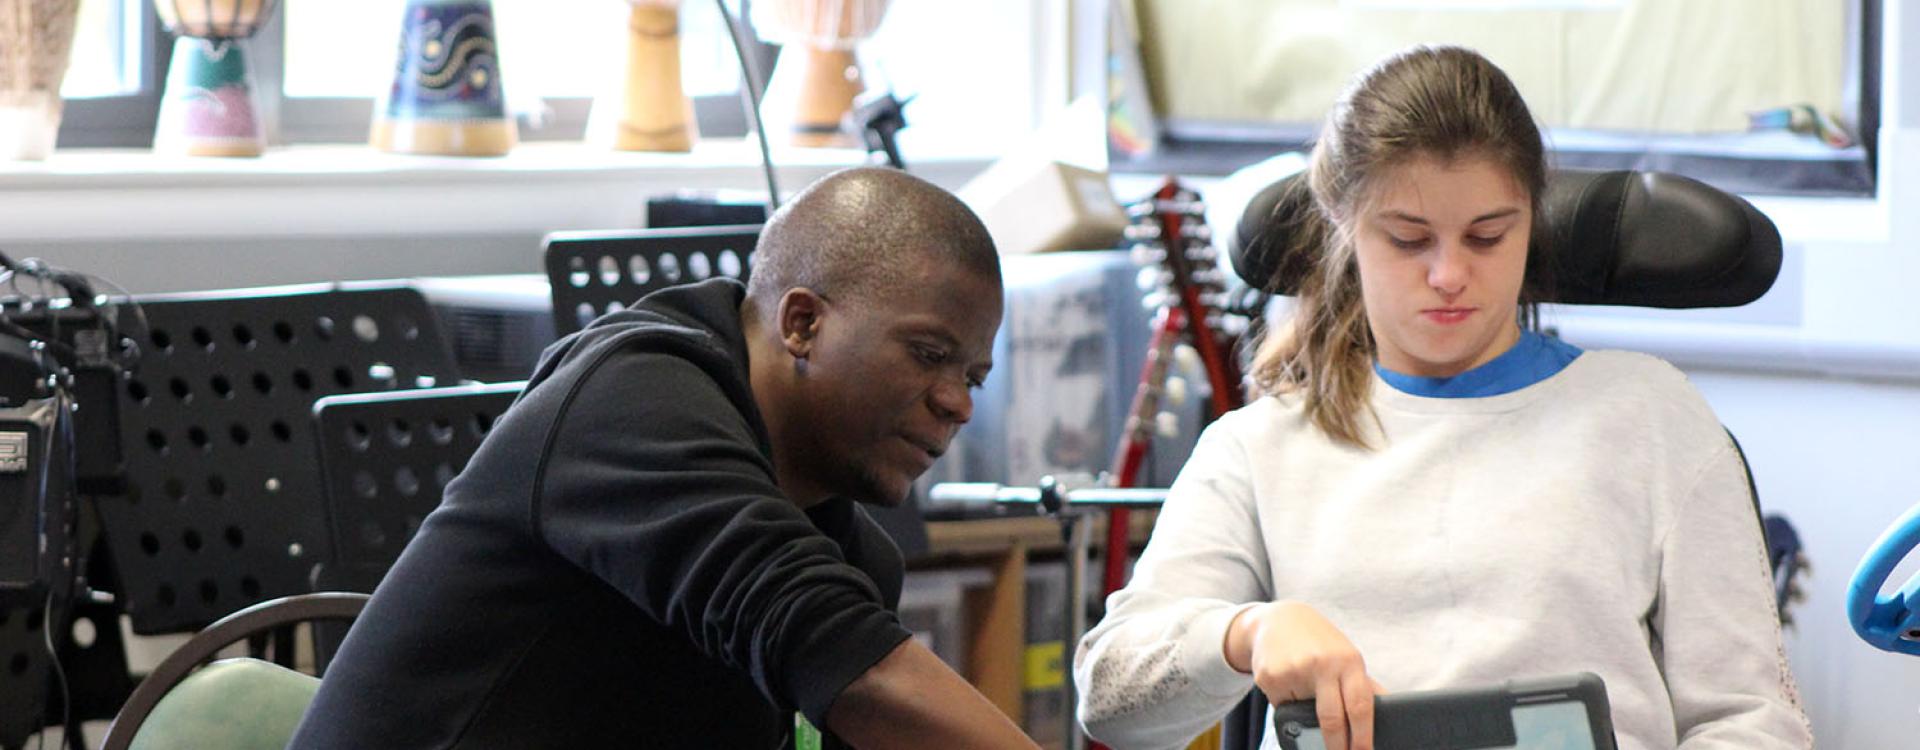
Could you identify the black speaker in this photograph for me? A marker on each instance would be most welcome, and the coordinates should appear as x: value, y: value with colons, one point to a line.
x: 36, y: 503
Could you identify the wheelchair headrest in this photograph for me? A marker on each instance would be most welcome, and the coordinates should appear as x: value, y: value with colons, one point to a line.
x: 1646, y: 239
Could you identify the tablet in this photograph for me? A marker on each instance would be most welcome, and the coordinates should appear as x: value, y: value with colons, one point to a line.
x: 1555, y: 713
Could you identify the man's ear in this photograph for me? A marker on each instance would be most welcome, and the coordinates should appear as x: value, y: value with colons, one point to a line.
x: 799, y: 317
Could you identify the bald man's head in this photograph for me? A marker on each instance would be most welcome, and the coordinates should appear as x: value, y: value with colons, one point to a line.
x: 862, y: 232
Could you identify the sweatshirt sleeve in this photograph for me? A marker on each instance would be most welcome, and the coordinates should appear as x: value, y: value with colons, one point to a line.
x: 652, y: 481
x: 1717, y: 625
x: 1154, y: 672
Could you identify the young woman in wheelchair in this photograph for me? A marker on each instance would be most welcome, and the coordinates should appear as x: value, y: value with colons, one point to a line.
x: 1428, y: 493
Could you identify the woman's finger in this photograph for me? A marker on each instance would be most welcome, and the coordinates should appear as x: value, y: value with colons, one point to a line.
x: 1356, y: 690
x: 1330, y: 710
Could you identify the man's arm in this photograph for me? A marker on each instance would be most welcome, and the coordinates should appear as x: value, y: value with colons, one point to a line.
x: 653, y: 484
x: 910, y: 699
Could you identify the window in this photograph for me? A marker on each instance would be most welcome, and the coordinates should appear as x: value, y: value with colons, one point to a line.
x: 106, y: 50
x: 1643, y: 84
x: 319, y: 65
x: 113, y: 80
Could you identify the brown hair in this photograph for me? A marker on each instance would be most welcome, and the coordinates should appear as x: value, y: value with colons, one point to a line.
x: 1441, y: 102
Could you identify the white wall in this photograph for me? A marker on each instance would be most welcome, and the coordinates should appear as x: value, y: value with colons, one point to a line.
x: 1837, y: 457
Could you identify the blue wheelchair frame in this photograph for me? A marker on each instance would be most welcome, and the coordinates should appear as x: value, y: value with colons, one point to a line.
x: 1891, y: 622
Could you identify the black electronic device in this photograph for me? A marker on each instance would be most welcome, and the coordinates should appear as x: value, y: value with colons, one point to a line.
x: 36, y: 455
x: 60, y: 357
x: 878, y: 117
x: 1561, y: 713
x: 705, y: 209
x: 497, y: 325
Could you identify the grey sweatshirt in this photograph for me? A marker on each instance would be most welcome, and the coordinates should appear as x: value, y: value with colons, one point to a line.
x: 1597, y: 521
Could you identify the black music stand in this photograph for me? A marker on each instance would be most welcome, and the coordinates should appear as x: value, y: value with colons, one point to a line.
x: 223, y: 507
x: 24, y: 675
x: 595, y: 273
x: 386, y: 459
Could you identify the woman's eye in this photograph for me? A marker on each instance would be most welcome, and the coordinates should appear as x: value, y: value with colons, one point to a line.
x: 1412, y: 244
x: 1478, y: 241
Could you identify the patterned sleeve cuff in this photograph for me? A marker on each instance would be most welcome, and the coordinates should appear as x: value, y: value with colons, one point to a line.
x: 1203, y: 652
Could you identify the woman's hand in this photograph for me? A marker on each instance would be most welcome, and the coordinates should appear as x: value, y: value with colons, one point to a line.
x: 1294, y: 653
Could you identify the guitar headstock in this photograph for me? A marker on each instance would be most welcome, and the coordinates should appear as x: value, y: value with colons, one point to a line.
x: 1174, y: 248
x: 1182, y: 278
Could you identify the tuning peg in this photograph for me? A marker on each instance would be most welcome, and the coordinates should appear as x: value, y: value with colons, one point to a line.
x: 1153, y: 300
x: 1142, y: 232
x: 1167, y: 424
x: 1141, y: 210
x: 1176, y: 390
x: 1197, y: 231
x: 1800, y: 561
x: 1148, y: 255
x: 1148, y: 279
x: 1186, y: 357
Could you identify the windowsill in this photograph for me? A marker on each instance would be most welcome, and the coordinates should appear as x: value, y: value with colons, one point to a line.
x: 354, y: 163
x: 354, y: 190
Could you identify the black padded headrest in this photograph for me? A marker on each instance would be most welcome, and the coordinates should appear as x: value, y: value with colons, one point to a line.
x: 1646, y: 239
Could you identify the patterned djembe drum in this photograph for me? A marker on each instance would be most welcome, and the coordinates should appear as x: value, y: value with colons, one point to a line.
x: 208, y: 107
x: 817, y: 78
x: 446, y: 97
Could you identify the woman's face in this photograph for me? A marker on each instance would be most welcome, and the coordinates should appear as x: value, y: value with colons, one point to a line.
x: 1442, y: 253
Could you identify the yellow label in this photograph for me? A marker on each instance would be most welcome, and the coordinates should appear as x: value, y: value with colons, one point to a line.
x: 1045, y: 669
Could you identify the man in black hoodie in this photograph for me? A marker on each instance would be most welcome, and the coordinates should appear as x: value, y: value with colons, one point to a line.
x: 658, y: 545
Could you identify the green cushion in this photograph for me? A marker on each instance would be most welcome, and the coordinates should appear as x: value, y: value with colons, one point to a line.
x: 231, y: 704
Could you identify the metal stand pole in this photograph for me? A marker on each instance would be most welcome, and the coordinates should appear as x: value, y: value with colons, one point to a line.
x: 1078, y: 530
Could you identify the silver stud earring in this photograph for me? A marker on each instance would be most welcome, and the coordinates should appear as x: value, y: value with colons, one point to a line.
x: 800, y: 366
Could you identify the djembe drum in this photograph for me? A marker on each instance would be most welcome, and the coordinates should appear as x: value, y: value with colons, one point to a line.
x: 446, y: 97
x: 817, y: 78
x: 653, y: 109
x: 208, y: 107
x: 36, y: 42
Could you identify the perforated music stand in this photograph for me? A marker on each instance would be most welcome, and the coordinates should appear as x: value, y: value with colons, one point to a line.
x: 23, y: 675
x: 594, y: 273
x: 224, y: 507
x: 386, y: 459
